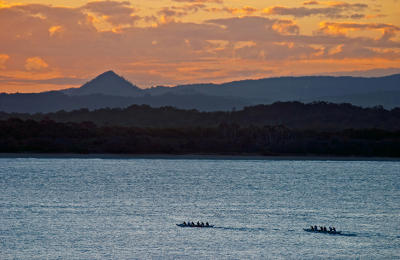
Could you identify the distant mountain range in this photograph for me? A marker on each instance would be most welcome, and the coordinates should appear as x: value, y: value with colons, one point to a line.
x: 112, y: 90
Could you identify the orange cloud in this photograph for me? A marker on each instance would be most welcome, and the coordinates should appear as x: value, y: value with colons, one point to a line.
x: 114, y: 12
x: 311, y: 3
x: 4, y: 4
x: 372, y: 16
x: 357, y: 6
x: 35, y: 63
x: 168, y: 14
x: 200, y: 1
x: 336, y: 50
x: 244, y: 44
x: 334, y: 10
x: 388, y: 30
x: 53, y: 30
x: 286, y: 27
x: 246, y: 10
x: 3, y: 59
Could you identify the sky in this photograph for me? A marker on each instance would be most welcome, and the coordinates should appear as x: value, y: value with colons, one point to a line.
x: 50, y: 45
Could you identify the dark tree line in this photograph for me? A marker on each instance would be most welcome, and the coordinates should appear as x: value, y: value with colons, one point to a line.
x: 319, y: 116
x: 48, y: 136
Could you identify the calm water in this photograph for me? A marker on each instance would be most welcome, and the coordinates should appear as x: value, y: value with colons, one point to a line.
x: 127, y: 209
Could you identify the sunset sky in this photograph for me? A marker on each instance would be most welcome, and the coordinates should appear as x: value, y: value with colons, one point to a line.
x: 48, y: 45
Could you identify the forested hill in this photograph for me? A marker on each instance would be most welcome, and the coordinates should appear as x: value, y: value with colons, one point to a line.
x: 294, y: 115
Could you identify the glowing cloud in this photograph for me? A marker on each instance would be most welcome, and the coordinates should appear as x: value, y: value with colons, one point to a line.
x: 168, y: 14
x: 388, y: 30
x: 246, y: 10
x: 333, y: 10
x: 114, y: 12
x: 311, y: 3
x: 200, y: 1
x: 286, y: 27
x: 35, y: 63
x: 3, y: 59
x: 53, y: 30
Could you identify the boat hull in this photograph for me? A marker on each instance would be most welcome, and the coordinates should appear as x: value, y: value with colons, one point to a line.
x: 195, y: 226
x: 324, y: 232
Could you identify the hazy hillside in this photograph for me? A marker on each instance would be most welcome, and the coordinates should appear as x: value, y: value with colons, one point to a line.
x: 292, y: 88
x: 390, y: 99
x: 55, y: 101
x: 113, y: 91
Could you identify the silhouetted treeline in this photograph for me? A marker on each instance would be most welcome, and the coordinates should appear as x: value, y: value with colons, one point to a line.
x: 47, y: 136
x: 295, y: 115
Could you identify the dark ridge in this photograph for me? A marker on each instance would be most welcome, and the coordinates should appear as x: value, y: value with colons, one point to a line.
x: 295, y: 115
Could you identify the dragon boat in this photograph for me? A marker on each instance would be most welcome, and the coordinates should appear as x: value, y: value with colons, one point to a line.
x: 195, y: 226
x: 323, y: 231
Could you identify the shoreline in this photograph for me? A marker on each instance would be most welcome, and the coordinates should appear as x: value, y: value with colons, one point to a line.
x: 195, y: 157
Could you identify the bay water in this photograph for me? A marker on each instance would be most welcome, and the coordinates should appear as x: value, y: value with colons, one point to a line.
x: 80, y: 208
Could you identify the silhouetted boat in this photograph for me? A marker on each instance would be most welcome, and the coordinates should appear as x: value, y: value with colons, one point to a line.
x: 323, y: 231
x: 195, y: 226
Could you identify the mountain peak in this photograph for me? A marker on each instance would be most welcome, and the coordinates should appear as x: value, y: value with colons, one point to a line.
x: 109, y: 73
x: 107, y: 83
x: 109, y: 76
